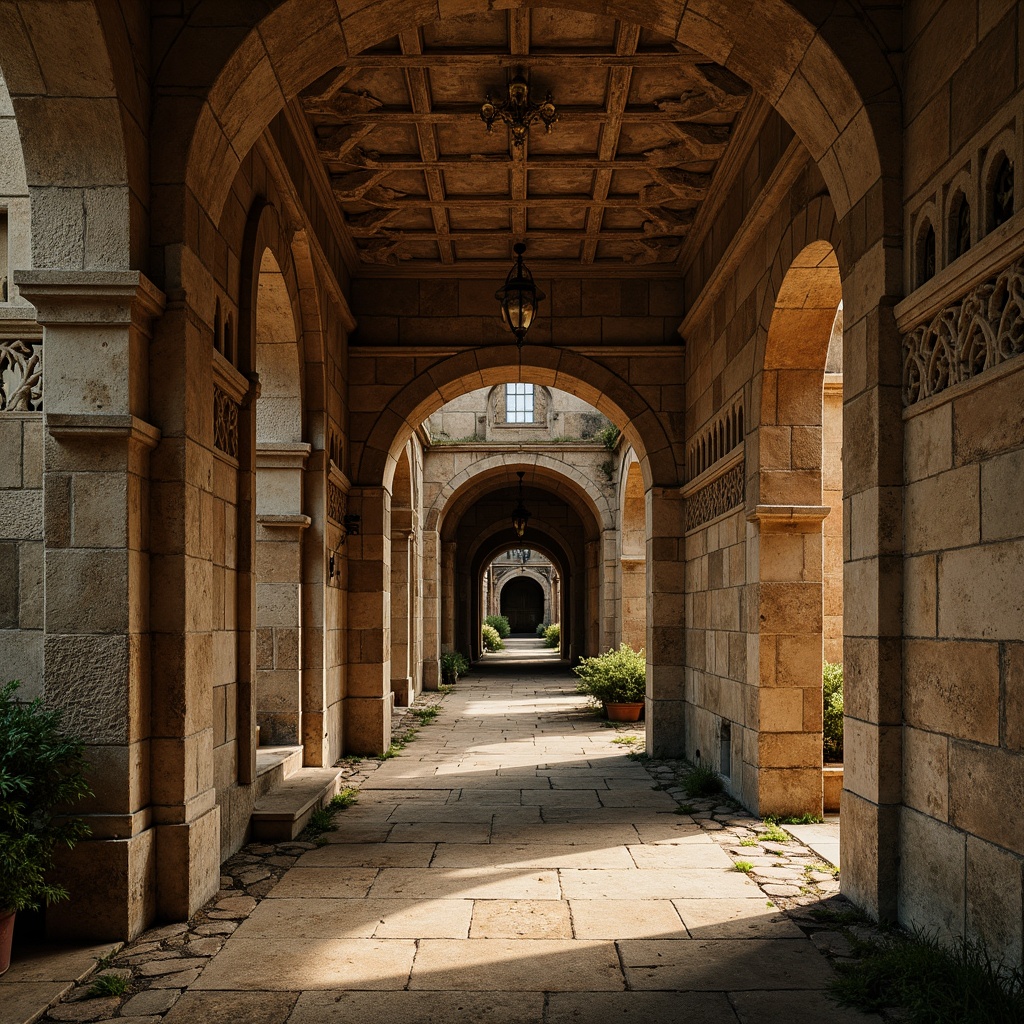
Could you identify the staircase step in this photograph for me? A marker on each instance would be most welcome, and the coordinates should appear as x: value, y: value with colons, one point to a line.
x: 274, y: 765
x: 283, y: 813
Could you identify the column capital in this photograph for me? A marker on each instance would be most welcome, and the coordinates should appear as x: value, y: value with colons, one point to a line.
x: 92, y: 297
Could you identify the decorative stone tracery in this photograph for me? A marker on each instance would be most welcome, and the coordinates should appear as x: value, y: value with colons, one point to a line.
x: 335, y: 502
x: 21, y: 374
x: 717, y: 498
x: 225, y: 422
x: 966, y: 338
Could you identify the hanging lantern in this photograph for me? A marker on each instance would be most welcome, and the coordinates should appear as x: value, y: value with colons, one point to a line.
x: 519, y: 297
x: 520, y: 515
x: 517, y: 111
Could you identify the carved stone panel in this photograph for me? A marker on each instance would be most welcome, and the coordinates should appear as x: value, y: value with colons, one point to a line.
x: 225, y: 422
x: 968, y: 337
x: 718, y: 497
x: 21, y: 375
x: 335, y: 502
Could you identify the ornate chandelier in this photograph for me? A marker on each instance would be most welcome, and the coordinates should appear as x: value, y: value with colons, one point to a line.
x: 520, y: 515
x: 518, y: 111
x: 519, y: 297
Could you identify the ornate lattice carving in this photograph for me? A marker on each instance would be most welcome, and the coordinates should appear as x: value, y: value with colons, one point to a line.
x: 335, y: 502
x: 21, y: 375
x: 225, y: 422
x: 966, y: 338
x: 722, y: 494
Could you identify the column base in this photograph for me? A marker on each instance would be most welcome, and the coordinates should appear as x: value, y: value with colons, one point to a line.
x: 868, y: 849
x: 112, y: 883
x: 665, y: 735
x: 188, y: 865
x: 403, y: 691
x: 432, y: 674
x: 368, y: 725
x: 789, y: 792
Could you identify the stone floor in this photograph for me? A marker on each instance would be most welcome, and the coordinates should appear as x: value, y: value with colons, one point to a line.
x: 516, y: 865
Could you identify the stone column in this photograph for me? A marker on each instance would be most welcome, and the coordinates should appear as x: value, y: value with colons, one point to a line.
x: 787, y: 539
x: 403, y: 525
x: 610, y: 570
x: 448, y: 596
x: 280, y: 523
x: 368, y: 693
x: 431, y: 610
x: 665, y: 623
x: 96, y: 329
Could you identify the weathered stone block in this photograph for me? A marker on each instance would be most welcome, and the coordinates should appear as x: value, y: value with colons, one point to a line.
x: 995, y: 900
x: 979, y: 592
x: 943, y: 511
x: 986, y: 793
x: 953, y: 688
x: 933, y: 862
x: 926, y: 772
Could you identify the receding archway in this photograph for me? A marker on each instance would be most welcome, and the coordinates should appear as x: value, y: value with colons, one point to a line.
x: 633, y: 554
x: 522, y: 603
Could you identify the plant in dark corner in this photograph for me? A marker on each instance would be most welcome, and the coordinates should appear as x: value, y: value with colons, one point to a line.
x: 42, y: 773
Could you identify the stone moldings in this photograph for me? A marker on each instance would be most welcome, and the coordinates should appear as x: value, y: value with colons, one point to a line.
x: 225, y: 422
x: 966, y: 338
x: 717, y: 498
x: 21, y: 375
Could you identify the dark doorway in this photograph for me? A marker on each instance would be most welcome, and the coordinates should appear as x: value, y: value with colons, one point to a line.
x: 522, y: 601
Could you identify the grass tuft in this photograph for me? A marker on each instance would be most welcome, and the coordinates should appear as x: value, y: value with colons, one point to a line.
x: 744, y: 865
x: 345, y: 798
x: 774, y: 834
x: 626, y: 741
x: 934, y: 984
x: 426, y: 715
x: 798, y: 819
x: 749, y: 842
x: 702, y: 780
x: 321, y: 820
x: 109, y: 985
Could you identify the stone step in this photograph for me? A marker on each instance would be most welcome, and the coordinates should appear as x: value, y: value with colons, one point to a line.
x: 282, y: 813
x: 274, y: 765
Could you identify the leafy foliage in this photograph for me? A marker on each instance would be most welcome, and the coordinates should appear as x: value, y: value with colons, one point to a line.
x: 110, y: 985
x: 608, y: 436
x: 42, y: 772
x: 426, y: 714
x: 552, y: 635
x: 453, y: 665
x: 934, y: 984
x: 615, y: 677
x: 542, y: 628
x: 832, y: 726
x: 491, y: 638
x: 501, y: 624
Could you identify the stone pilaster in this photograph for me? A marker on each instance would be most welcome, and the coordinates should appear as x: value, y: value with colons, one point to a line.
x: 665, y: 623
x: 403, y: 528
x: 97, y: 443
x: 368, y: 695
x: 431, y: 610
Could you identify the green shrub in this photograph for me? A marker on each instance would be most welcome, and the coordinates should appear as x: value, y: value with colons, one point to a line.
x: 930, y: 982
x: 491, y: 638
x: 608, y: 436
x: 702, y: 780
x: 453, y: 665
x: 542, y: 628
x: 41, y: 769
x: 615, y: 677
x: 501, y: 624
x: 552, y: 635
x: 832, y: 724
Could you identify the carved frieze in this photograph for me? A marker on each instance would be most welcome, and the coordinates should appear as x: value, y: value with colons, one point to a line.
x: 335, y: 502
x: 225, y: 422
x: 966, y: 338
x: 21, y: 375
x: 718, y: 497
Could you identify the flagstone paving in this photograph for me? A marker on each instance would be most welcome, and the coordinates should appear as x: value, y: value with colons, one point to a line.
x: 514, y: 865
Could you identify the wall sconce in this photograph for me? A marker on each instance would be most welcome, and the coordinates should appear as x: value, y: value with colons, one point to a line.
x: 332, y: 571
x: 350, y: 526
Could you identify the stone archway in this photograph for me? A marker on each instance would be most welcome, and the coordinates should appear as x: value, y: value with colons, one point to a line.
x: 522, y: 603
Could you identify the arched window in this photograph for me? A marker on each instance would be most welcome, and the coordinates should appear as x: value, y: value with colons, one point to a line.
x: 1001, y: 201
x: 959, y: 227
x: 926, y: 256
x: 518, y: 403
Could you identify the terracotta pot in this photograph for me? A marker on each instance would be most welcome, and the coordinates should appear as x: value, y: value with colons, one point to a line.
x: 6, y: 937
x: 624, y: 712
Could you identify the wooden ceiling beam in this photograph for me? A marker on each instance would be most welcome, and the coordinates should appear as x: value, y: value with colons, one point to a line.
x: 468, y: 113
x: 487, y: 61
x: 569, y: 202
x: 627, y: 41
x: 519, y: 46
x: 418, y: 84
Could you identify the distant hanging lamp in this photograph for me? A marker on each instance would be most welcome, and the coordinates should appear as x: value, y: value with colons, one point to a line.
x: 520, y: 515
x: 517, y: 110
x: 519, y: 297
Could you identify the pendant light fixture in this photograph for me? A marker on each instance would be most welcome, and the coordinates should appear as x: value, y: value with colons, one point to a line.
x: 517, y: 111
x: 520, y: 515
x: 519, y: 297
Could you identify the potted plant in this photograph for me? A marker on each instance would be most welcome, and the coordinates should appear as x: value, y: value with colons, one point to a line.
x: 42, y: 772
x: 832, y: 735
x: 617, y: 680
x: 453, y: 665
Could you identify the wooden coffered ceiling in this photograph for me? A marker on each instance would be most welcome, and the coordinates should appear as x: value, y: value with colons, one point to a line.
x: 643, y: 123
